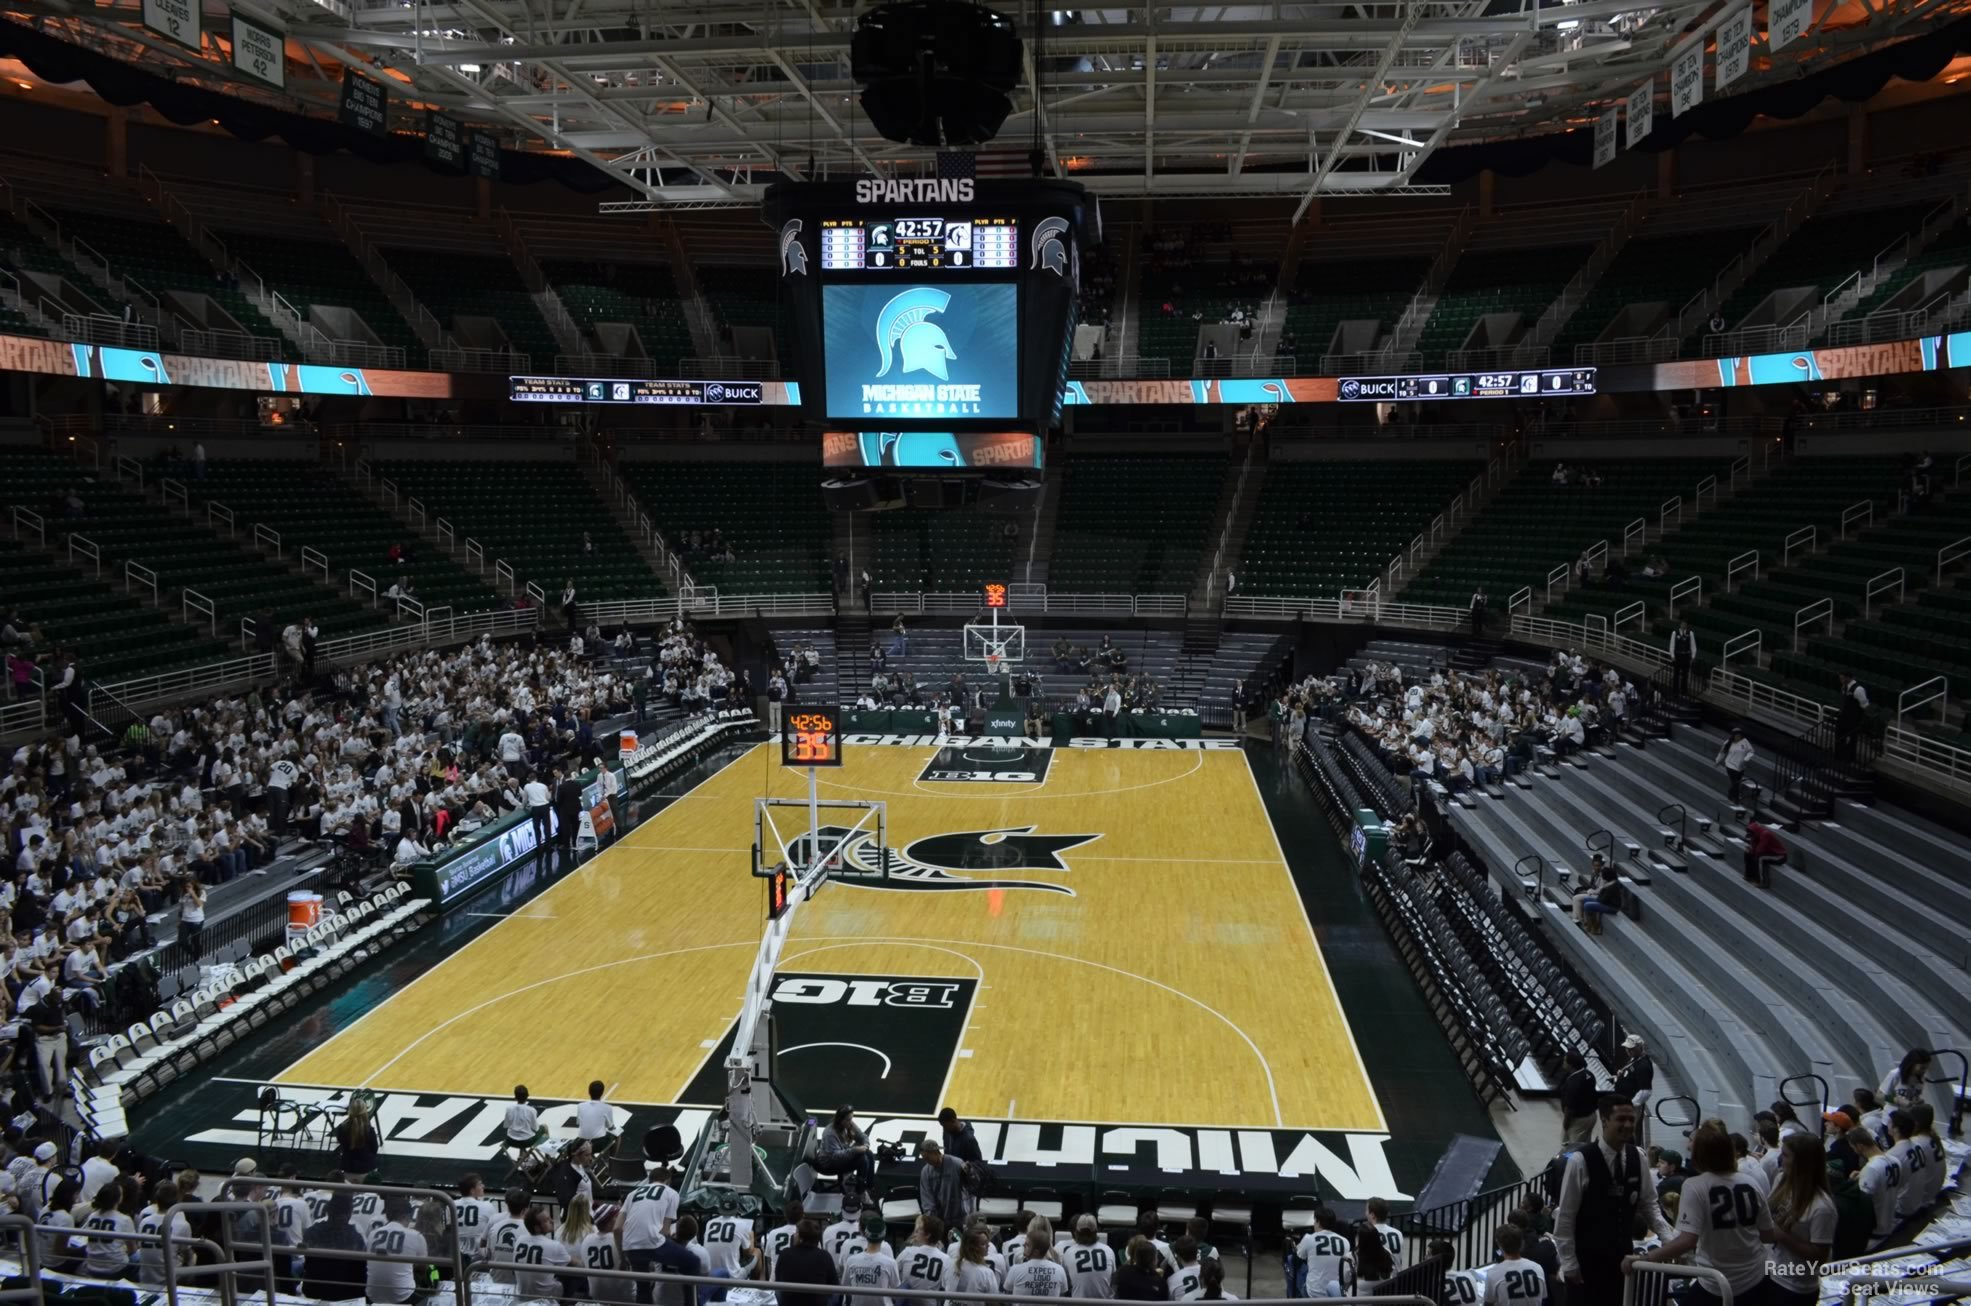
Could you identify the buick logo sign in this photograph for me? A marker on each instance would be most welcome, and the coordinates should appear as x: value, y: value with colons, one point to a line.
x: 730, y: 392
x: 1351, y: 388
x: 714, y: 393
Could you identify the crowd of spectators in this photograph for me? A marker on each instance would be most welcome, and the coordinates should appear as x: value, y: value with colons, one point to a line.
x: 391, y: 759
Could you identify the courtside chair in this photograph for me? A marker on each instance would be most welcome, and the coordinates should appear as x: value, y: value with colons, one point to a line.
x: 1298, y: 1216
x: 1236, y: 1220
x: 1045, y: 1202
x: 900, y: 1208
x: 1116, y: 1210
x: 1176, y: 1207
x: 999, y: 1208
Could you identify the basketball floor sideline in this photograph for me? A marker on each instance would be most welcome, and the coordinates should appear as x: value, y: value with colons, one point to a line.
x: 1067, y: 935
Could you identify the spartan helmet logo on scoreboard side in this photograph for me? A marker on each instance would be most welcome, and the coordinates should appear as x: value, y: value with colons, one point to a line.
x: 903, y: 323
x: 1050, y: 251
x: 793, y: 259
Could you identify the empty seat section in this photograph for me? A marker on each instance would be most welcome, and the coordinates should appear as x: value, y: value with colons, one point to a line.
x: 1322, y: 527
x: 1134, y: 525
x: 532, y: 515
x: 640, y: 295
x: 770, y: 517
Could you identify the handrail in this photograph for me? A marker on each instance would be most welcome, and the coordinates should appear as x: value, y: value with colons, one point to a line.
x: 1820, y: 609
x: 447, y: 537
x: 1557, y: 575
x: 1670, y: 510
x: 414, y: 509
x: 169, y: 489
x: 1808, y: 536
x: 361, y: 582
x: 1596, y: 556
x: 265, y: 536
x: 1636, y: 1288
x: 1637, y: 530
x: 217, y: 515
x: 1951, y: 553
x: 190, y: 601
x: 1692, y: 585
x: 1744, y: 561
x: 87, y: 548
x: 135, y: 574
x: 1751, y: 640
x: 1519, y: 598
x: 1757, y: 694
x: 1740, y: 466
x: 503, y: 575
x: 1863, y: 512
x: 313, y: 557
x: 31, y: 520
x: 1891, y: 579
x: 1934, y: 690
x: 1636, y: 612
x: 1709, y: 485
x: 475, y: 554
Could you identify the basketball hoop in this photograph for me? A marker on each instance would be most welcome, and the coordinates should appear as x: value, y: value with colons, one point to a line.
x: 992, y: 664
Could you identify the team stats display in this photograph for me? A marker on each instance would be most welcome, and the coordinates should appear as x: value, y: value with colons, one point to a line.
x: 906, y: 349
x: 956, y: 244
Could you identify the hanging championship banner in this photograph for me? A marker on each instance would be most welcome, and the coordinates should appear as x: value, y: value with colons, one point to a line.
x: 1641, y: 111
x: 1605, y: 138
x: 1734, y: 47
x: 1687, y: 79
x: 1787, y: 21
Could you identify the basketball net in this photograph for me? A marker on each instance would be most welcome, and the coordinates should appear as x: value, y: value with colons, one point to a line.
x: 992, y: 664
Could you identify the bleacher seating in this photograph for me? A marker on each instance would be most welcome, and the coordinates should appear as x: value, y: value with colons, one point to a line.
x: 126, y: 527
x: 922, y: 550
x: 771, y: 514
x: 456, y: 283
x: 1654, y: 267
x: 1328, y: 293
x: 1821, y: 253
x: 1533, y: 526
x: 307, y: 506
x: 532, y: 515
x: 642, y: 295
x: 1134, y: 525
x: 1951, y: 249
x: 1322, y: 527
x: 138, y: 245
x: 743, y: 296
x: 1523, y: 281
x: 309, y: 272
x: 114, y: 634
x: 1738, y: 986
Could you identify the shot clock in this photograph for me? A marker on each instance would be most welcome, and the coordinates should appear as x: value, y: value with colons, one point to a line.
x: 811, y: 736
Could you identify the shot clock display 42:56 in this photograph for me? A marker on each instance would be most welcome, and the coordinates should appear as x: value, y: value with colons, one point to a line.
x: 811, y: 736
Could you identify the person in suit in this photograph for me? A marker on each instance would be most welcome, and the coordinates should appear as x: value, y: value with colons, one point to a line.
x: 567, y: 808
x: 1683, y: 654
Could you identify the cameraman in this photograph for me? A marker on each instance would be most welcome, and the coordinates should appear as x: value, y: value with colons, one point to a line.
x: 845, y: 1151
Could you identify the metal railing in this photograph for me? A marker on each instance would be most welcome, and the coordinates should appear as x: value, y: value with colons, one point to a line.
x: 504, y: 362
x: 136, y: 574
x: 1635, y: 535
x: 222, y: 343
x: 1670, y: 514
x: 1858, y: 516
x: 1659, y: 348
x: 1558, y: 576
x: 217, y: 515
x: 190, y: 601
x: 26, y: 519
x: 1121, y: 367
x: 1637, y: 1290
x: 1819, y: 611
x: 1751, y: 641
x: 921, y: 603
x: 1934, y: 690
x: 1880, y: 585
x: 102, y: 329
x: 1758, y: 695
x: 1747, y: 561
x: 1807, y: 537
x: 1950, y: 553
x: 80, y: 546
x: 1691, y: 586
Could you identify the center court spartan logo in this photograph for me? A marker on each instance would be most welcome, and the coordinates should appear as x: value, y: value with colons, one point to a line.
x: 903, y: 322
x: 929, y: 863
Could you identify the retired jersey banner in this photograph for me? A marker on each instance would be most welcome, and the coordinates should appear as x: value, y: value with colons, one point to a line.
x: 1787, y: 21
x: 1734, y: 46
x: 1641, y: 112
x: 1605, y: 138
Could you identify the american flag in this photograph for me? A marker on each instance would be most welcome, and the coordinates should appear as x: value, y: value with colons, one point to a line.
x: 956, y: 165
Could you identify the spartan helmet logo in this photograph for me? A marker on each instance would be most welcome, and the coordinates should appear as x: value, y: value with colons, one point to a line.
x: 1049, y: 250
x: 793, y: 259
x: 902, y: 321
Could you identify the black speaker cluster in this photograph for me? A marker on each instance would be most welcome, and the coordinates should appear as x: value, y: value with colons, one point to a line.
x: 936, y: 72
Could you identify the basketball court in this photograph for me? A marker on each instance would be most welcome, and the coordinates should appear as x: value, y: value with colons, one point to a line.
x: 1076, y: 934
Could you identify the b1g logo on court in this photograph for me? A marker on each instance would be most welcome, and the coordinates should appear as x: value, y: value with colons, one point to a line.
x: 823, y: 991
x: 985, y: 764
x: 933, y: 862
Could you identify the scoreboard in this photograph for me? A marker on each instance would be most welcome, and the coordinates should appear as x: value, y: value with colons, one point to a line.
x: 1528, y: 384
x: 908, y: 244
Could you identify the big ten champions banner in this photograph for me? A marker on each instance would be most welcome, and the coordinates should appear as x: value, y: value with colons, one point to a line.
x: 943, y: 305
